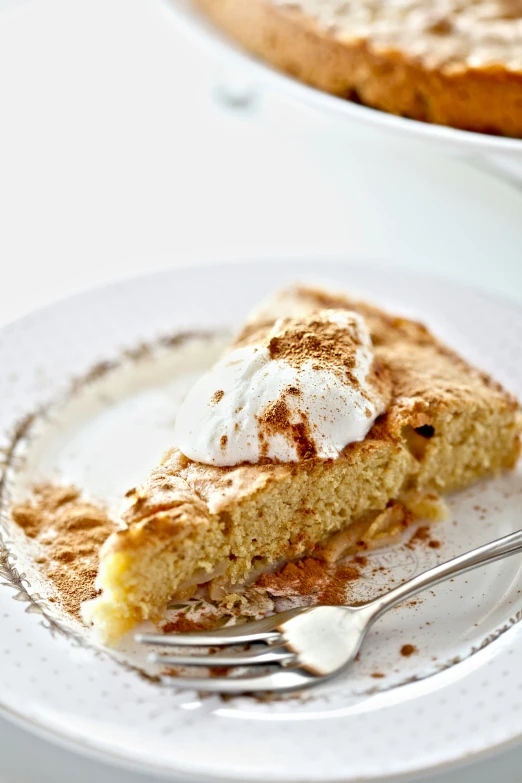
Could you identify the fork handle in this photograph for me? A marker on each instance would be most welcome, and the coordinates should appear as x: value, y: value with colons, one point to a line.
x: 489, y: 553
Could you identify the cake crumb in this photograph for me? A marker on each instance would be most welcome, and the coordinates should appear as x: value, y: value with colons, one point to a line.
x: 421, y: 534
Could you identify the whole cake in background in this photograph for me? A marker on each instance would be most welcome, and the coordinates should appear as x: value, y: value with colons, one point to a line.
x: 451, y: 62
x: 327, y: 426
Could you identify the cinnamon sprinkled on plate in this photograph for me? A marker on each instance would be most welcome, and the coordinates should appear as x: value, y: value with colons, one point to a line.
x: 312, y: 578
x: 68, y: 531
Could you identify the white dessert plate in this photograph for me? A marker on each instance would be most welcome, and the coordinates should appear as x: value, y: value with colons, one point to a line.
x: 193, y: 23
x: 456, y: 697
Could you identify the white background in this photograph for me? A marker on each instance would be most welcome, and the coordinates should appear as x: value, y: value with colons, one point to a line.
x: 120, y: 156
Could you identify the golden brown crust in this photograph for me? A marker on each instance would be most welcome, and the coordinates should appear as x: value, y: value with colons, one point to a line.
x: 469, y: 92
x: 165, y: 509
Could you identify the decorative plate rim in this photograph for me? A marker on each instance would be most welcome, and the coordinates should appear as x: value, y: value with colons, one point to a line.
x: 75, y: 745
x: 73, y: 742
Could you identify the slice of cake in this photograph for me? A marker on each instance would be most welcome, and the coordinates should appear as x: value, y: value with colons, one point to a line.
x: 328, y: 424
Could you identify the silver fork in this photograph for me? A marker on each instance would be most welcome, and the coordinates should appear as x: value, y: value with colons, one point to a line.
x: 309, y: 645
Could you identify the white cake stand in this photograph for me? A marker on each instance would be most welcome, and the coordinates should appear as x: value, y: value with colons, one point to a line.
x: 246, y: 76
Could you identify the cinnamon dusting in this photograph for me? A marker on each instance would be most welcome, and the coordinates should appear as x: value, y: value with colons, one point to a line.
x: 68, y: 531
x: 325, y: 341
x: 315, y: 579
x: 276, y: 419
x: 217, y: 397
x: 328, y: 345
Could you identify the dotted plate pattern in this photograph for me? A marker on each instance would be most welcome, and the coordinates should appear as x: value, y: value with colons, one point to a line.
x: 69, y: 692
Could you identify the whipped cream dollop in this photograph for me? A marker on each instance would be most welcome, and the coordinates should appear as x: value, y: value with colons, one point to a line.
x: 303, y: 387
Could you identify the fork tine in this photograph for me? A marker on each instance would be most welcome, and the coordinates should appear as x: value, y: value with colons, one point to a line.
x: 276, y: 682
x: 249, y: 658
x: 209, y: 639
x: 264, y: 630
